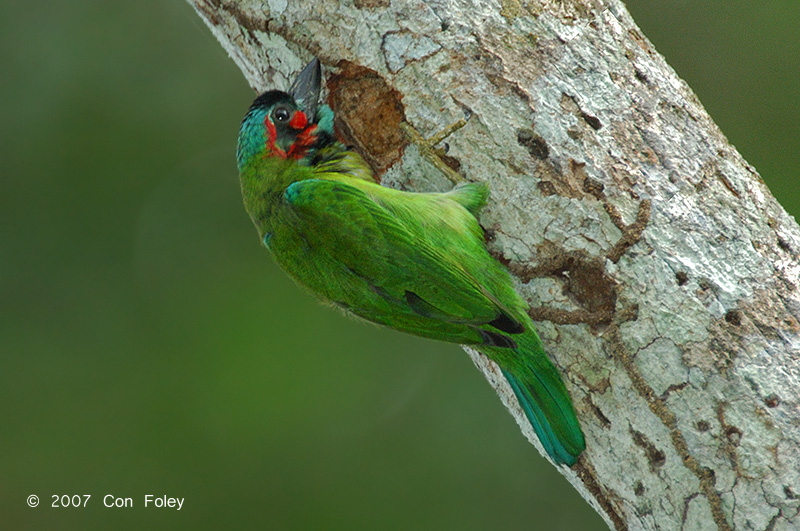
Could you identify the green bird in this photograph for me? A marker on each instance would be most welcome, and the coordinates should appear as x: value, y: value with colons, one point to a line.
x: 415, y: 262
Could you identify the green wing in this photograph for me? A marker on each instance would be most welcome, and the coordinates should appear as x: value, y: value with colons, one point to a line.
x: 388, y: 261
x: 416, y: 263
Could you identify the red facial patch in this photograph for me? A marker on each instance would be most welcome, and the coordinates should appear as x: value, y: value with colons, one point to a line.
x: 304, y: 141
x: 273, y: 136
x: 299, y: 120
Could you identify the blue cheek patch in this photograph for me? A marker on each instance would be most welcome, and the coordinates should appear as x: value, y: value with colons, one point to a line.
x: 325, y: 119
x: 252, y: 137
x: 267, y: 238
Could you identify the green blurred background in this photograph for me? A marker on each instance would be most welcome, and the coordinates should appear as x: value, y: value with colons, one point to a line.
x: 149, y: 346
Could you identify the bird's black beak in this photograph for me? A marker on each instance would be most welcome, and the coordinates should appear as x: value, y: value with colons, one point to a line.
x: 306, y: 88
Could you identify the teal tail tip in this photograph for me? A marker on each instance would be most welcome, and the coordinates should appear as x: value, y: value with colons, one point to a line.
x: 549, y: 409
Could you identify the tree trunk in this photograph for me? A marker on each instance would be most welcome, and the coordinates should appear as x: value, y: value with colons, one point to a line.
x: 661, y: 272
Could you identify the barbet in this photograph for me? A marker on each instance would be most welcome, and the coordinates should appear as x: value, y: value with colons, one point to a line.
x: 415, y: 262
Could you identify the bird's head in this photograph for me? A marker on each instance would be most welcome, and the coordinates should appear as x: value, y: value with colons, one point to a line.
x: 286, y: 125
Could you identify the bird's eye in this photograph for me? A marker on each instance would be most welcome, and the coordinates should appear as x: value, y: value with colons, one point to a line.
x: 281, y: 114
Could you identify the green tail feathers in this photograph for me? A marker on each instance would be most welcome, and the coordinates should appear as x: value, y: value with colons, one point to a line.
x: 545, y: 401
x: 471, y: 196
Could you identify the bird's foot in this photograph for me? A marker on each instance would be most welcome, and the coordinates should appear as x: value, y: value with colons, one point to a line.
x: 429, y: 151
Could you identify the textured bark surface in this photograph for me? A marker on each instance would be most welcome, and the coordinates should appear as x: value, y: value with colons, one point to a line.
x: 661, y: 272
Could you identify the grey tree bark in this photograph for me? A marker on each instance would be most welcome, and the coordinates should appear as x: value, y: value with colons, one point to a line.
x: 661, y: 272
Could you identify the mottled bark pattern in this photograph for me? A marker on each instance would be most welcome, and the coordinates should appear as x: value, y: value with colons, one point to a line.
x: 661, y: 271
